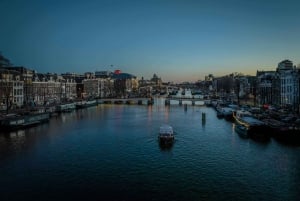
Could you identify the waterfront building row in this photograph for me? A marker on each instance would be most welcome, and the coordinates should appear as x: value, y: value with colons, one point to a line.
x: 280, y: 87
x: 20, y: 87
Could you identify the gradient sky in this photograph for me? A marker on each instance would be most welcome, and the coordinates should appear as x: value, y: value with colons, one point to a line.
x: 179, y: 40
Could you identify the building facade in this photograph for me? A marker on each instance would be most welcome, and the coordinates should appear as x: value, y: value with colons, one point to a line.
x: 45, y: 89
x: 92, y: 88
x: 286, y: 85
x: 125, y: 84
x: 281, y: 87
x: 264, y: 87
x: 11, y: 89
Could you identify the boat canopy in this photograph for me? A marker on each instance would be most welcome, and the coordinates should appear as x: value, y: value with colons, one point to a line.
x: 166, y: 129
x: 243, y: 113
x: 252, y: 121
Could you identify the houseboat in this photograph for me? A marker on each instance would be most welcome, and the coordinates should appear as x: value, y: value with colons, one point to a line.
x: 15, y: 121
x: 227, y: 113
x: 254, y: 127
x: 283, y: 131
x: 67, y: 107
x: 85, y: 104
x: 241, y: 130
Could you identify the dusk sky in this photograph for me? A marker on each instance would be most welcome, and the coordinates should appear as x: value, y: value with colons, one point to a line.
x: 179, y: 40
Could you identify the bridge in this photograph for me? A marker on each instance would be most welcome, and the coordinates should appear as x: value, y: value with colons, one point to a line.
x: 128, y: 101
x: 183, y: 101
x: 150, y: 101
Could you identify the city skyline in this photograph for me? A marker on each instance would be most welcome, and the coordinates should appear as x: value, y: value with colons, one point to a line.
x: 178, y: 40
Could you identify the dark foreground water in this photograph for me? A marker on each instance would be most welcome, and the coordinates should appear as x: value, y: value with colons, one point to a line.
x: 111, y: 152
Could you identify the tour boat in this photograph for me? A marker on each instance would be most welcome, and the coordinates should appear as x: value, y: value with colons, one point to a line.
x: 166, y: 134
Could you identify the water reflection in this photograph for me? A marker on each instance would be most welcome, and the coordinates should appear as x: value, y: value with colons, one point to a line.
x: 114, y: 148
x: 167, y: 111
x: 16, y: 142
x: 165, y: 147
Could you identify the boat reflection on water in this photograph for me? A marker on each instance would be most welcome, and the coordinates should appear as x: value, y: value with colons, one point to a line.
x: 165, y: 146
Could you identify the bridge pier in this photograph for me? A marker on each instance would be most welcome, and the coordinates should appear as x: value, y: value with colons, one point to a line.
x: 118, y: 102
x: 203, y: 116
x: 167, y: 102
x: 150, y: 102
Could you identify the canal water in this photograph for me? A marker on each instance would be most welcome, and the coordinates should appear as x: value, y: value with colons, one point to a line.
x: 111, y: 152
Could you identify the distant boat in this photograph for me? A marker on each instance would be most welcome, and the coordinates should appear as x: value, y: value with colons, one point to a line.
x: 66, y: 107
x: 85, y: 104
x: 166, y: 134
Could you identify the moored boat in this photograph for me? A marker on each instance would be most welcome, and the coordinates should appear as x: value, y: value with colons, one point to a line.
x: 85, y: 104
x: 14, y: 121
x: 283, y: 131
x: 67, y: 107
x: 255, y: 128
x: 219, y: 111
x: 227, y: 113
x: 241, y: 130
x: 220, y: 114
